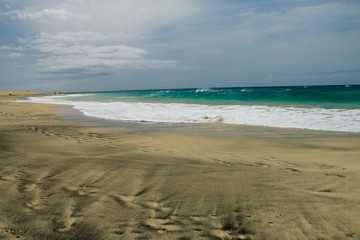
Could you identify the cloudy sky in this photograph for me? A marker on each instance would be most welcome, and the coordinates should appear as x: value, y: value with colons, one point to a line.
x: 87, y: 45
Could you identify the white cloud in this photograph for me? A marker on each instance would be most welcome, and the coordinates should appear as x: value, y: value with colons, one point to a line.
x: 97, y: 36
x: 135, y: 17
x: 15, y: 55
x: 66, y: 37
x: 131, y: 17
x: 76, y: 53
x: 48, y: 14
x: 13, y: 51
x: 11, y: 48
x: 7, y: 6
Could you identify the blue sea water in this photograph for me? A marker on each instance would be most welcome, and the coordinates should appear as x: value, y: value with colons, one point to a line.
x: 313, y: 96
x: 330, y: 108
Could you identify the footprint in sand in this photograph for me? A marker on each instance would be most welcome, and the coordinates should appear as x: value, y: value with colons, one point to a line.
x: 223, y: 163
x: 124, y: 200
x: 336, y: 175
x: 264, y: 165
x: 71, y: 218
x: 79, y: 199
x: 29, y: 188
x: 162, y: 225
x: 293, y: 170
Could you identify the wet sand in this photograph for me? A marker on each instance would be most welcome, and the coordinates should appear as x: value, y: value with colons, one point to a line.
x: 64, y: 180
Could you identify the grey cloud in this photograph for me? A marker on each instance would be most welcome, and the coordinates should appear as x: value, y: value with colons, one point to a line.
x: 69, y: 56
x: 135, y: 17
x: 12, y: 51
x: 15, y: 55
x: 44, y: 14
x: 292, y: 23
x: 67, y: 37
x: 102, y: 37
x: 335, y: 72
x: 77, y: 71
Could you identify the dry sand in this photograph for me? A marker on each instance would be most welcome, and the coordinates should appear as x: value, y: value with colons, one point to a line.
x: 61, y: 180
x: 17, y: 94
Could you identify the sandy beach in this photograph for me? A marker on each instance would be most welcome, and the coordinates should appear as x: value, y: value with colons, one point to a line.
x: 16, y: 94
x: 64, y: 180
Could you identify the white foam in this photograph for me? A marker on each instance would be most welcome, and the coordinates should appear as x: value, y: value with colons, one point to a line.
x: 288, y: 117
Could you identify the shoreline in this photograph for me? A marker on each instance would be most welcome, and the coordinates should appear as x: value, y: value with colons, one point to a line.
x: 68, y: 114
x: 63, y: 179
x: 175, y: 114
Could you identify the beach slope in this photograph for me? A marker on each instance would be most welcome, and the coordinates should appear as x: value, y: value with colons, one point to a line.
x: 61, y: 180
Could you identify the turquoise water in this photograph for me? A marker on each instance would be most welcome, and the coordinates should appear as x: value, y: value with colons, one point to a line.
x: 328, y: 108
x: 347, y: 97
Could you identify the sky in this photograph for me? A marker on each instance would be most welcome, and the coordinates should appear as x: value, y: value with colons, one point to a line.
x: 93, y: 45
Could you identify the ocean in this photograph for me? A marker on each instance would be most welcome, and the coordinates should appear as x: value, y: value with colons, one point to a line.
x: 328, y: 108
